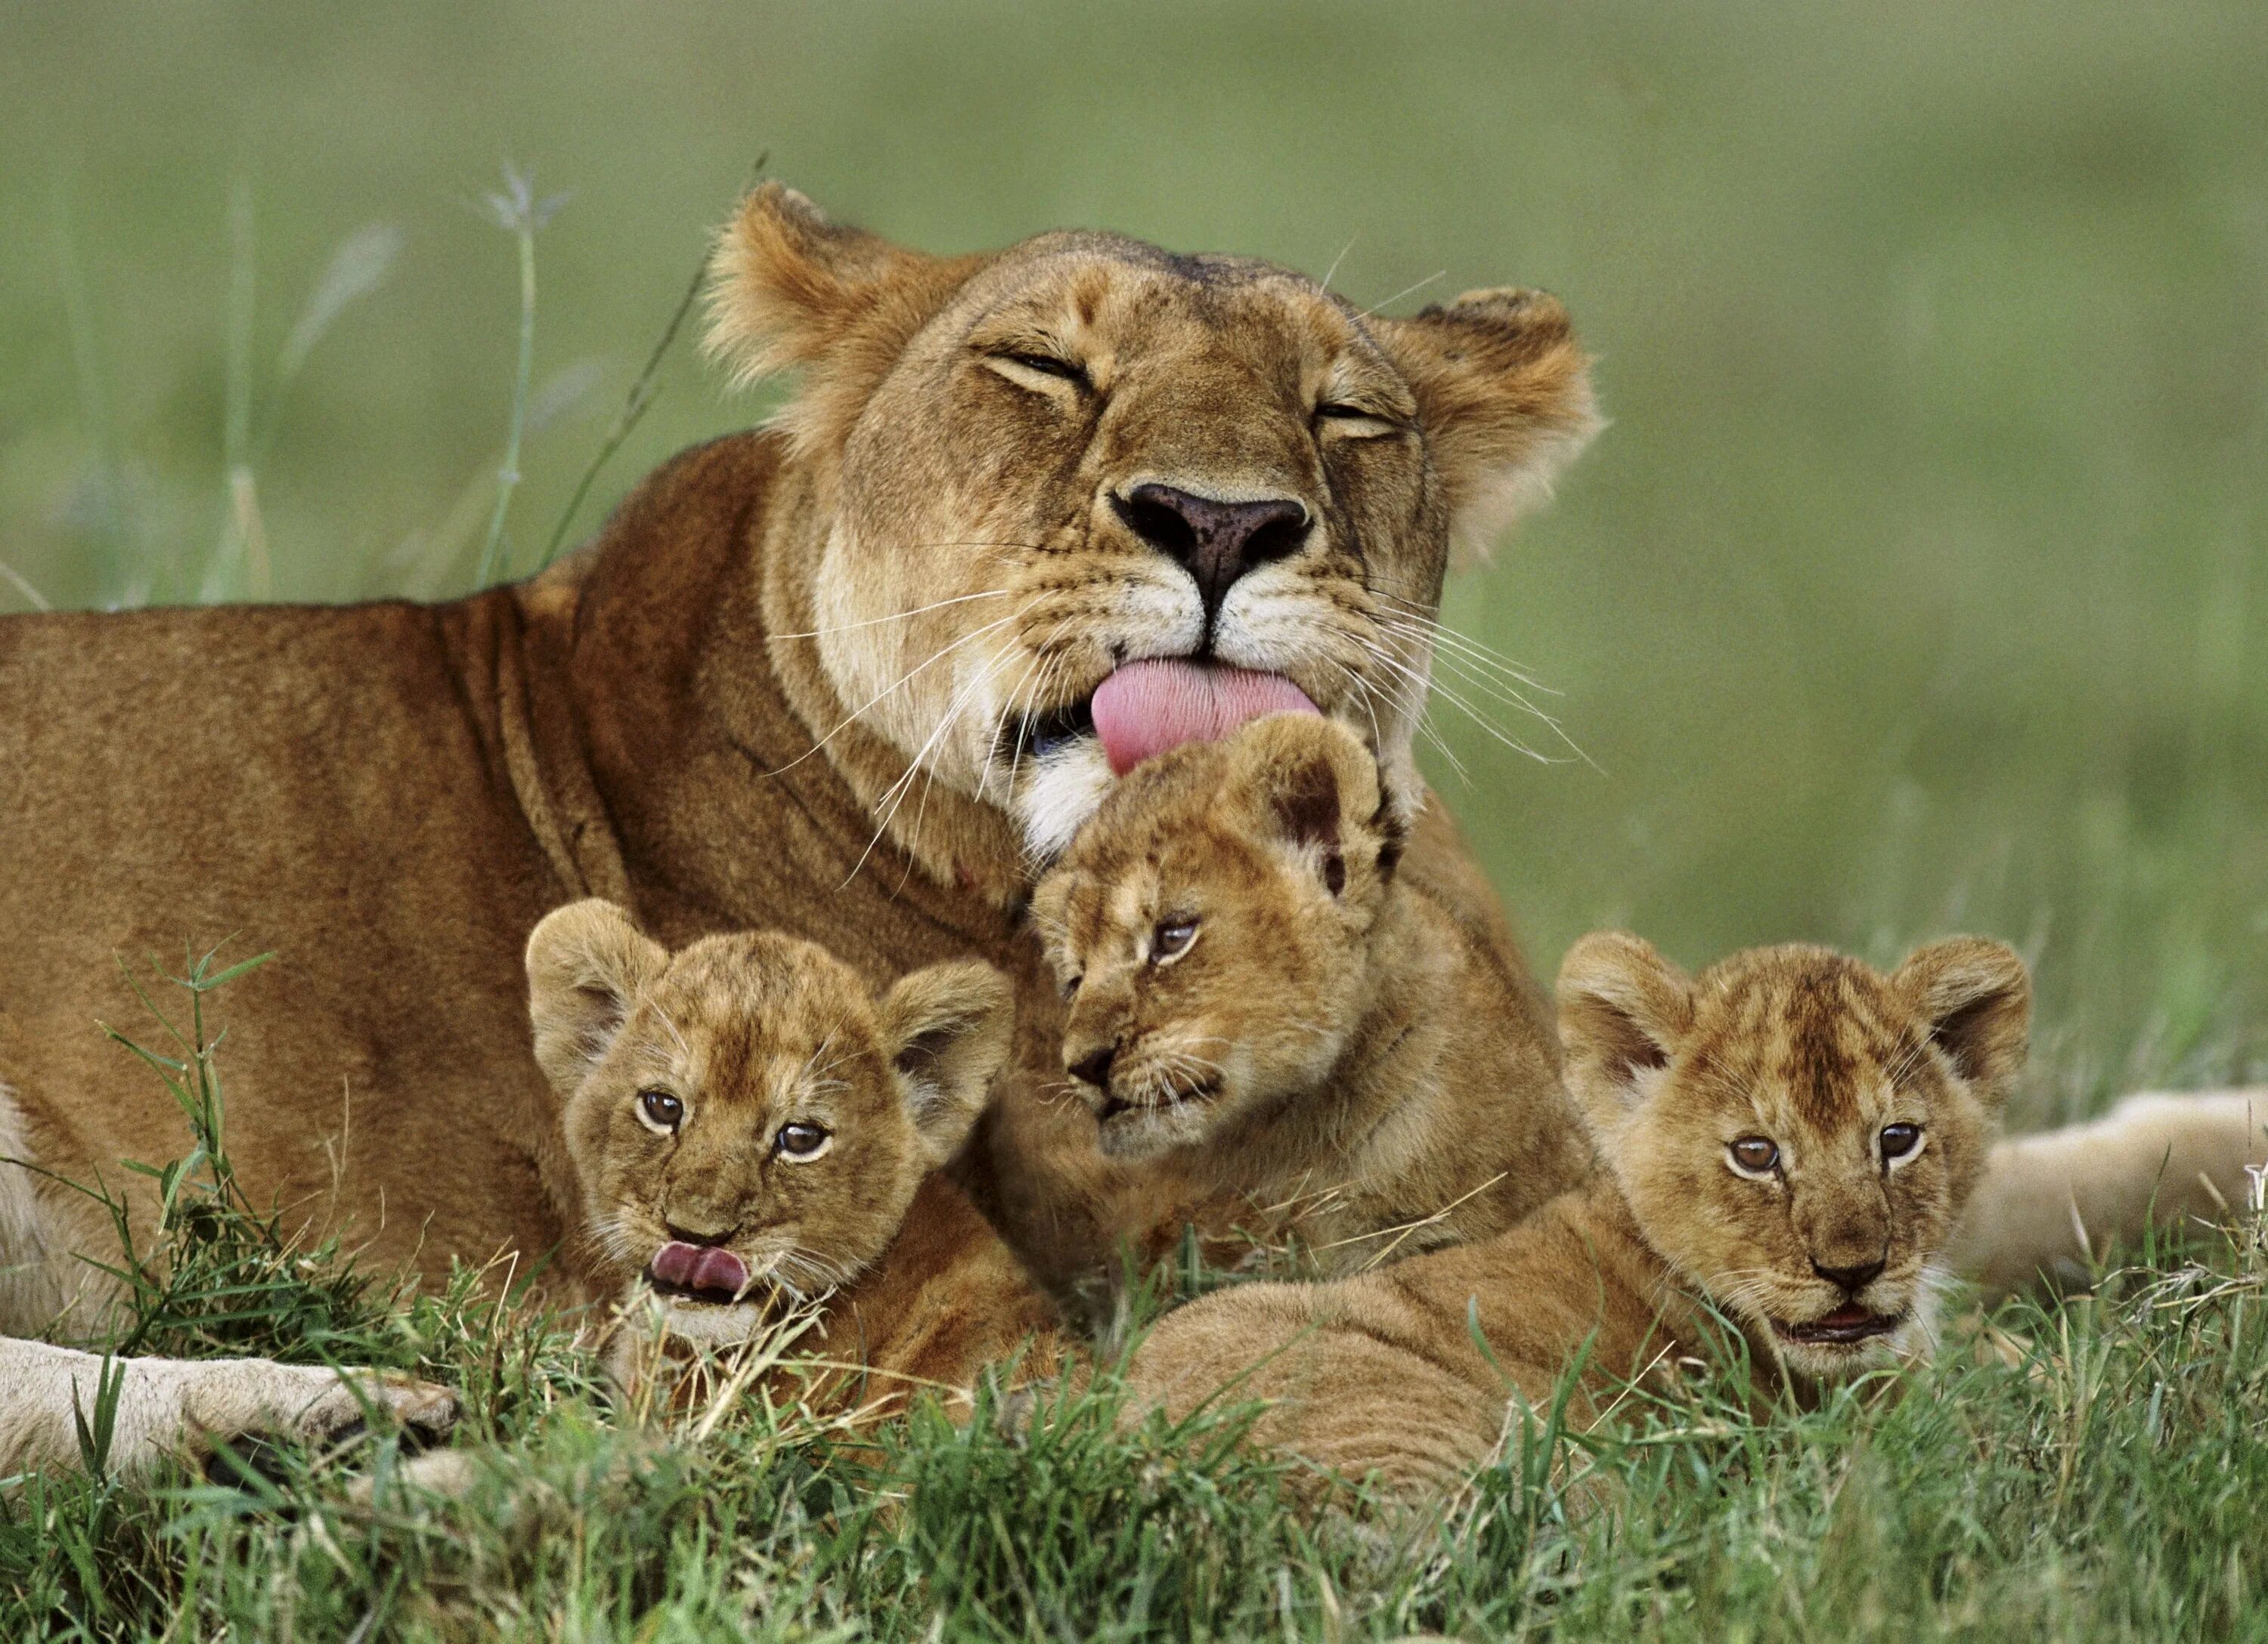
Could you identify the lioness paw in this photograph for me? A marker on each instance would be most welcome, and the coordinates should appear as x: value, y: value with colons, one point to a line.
x: 238, y: 1414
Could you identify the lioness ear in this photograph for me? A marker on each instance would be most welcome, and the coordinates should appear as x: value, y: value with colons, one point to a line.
x: 1976, y: 997
x: 787, y: 286
x: 586, y: 965
x: 1504, y: 402
x: 1623, y: 1009
x: 948, y: 1031
x: 1317, y: 785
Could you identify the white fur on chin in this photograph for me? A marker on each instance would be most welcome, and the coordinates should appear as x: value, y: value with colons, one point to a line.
x: 1065, y: 788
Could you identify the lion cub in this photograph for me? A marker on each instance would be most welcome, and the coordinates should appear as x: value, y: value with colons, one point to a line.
x: 1787, y: 1140
x: 1274, y: 1031
x: 749, y: 1126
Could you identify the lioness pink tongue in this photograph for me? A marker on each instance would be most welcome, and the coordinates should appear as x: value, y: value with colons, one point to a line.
x: 1147, y: 707
x: 703, y: 1268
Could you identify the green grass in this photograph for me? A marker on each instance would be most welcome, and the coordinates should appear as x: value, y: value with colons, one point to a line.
x: 2088, y: 1471
x: 1915, y: 587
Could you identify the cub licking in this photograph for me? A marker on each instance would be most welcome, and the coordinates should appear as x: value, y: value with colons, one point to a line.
x: 1274, y: 1031
x: 749, y: 1128
x: 1786, y: 1141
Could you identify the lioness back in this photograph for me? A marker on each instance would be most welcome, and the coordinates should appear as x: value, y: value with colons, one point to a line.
x: 1788, y: 1141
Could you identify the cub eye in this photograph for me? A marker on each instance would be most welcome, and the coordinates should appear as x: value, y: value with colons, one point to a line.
x: 1900, y: 1142
x: 800, y: 1144
x: 1171, y: 940
x: 1071, y: 985
x: 1754, y: 1156
x: 661, y: 1109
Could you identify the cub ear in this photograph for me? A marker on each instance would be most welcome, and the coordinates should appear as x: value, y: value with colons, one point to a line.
x: 1504, y: 400
x: 1317, y: 788
x: 947, y: 1031
x: 1623, y: 1009
x: 586, y: 965
x: 1976, y: 998
x: 786, y: 285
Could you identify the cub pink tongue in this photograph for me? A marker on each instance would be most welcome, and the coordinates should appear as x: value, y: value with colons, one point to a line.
x: 700, y: 1267
x: 1147, y: 707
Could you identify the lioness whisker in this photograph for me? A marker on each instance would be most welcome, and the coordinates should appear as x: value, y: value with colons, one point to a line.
x: 1436, y: 687
x: 1406, y: 694
x: 1412, y: 610
x: 1478, y: 665
x: 894, y: 795
x: 900, y: 616
x: 858, y: 712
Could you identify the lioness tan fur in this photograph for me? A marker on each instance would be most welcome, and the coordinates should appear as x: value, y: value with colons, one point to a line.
x: 1277, y: 1037
x: 1788, y: 1141
x: 827, y: 679
x: 806, y: 1121
x: 830, y: 678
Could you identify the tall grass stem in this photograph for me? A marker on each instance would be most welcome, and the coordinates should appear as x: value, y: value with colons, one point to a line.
x: 508, y: 473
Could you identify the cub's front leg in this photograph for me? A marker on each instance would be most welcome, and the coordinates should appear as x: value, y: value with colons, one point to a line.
x: 184, y: 1408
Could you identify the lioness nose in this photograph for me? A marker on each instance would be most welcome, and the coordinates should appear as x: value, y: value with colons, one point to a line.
x: 1217, y: 542
x: 1094, y: 1066
x: 1852, y: 1279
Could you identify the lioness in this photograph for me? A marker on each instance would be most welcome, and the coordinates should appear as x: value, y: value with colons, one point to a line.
x: 1032, y: 514
x: 751, y: 1127
x: 834, y: 678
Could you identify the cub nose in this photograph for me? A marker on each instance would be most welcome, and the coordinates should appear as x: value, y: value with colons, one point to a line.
x: 688, y: 1236
x: 1852, y: 1280
x: 1215, y: 542
x: 1094, y: 1066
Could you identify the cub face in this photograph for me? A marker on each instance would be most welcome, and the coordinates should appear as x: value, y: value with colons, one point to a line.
x: 745, y: 1117
x: 1209, y: 928
x: 1795, y: 1132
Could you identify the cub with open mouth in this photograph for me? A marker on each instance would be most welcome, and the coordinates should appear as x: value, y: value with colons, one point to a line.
x: 749, y: 1128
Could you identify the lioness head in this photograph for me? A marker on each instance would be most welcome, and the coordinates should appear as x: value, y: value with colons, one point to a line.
x: 743, y: 1115
x: 1795, y: 1132
x: 1078, y: 502
x: 1208, y: 927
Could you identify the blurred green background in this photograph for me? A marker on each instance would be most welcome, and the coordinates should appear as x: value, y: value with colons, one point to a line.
x: 1916, y: 586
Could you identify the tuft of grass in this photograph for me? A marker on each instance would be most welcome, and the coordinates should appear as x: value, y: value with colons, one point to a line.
x: 521, y: 213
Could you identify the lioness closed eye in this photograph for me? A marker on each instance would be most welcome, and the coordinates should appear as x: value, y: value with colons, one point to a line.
x: 1271, y: 1027
x: 1787, y: 1141
x: 750, y: 1124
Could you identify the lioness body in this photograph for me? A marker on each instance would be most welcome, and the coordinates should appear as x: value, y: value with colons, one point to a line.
x: 835, y: 679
